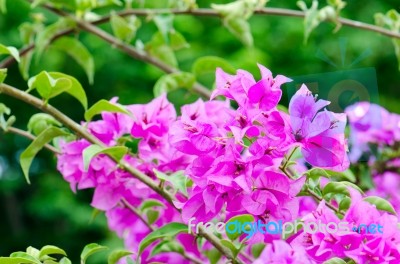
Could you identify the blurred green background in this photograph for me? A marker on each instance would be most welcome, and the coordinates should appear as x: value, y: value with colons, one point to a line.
x: 47, y: 212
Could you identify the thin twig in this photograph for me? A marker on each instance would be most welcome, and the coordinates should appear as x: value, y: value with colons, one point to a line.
x: 28, y: 135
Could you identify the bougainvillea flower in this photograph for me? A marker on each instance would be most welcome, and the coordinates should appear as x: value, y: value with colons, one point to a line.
x: 320, y: 133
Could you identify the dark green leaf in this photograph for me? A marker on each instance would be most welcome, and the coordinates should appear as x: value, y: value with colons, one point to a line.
x: 174, y: 81
x: 30, y: 152
x: 104, y: 106
x: 380, y: 204
x: 209, y: 64
x: 152, y: 216
x: 230, y: 246
x: 169, y: 230
x: 89, y: 250
x: 78, y: 52
x: 90, y: 152
x: 150, y: 203
x: 117, y: 255
x: 257, y: 249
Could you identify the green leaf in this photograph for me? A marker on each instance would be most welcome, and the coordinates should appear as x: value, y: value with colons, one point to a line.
x: 3, y: 6
x: 150, y: 203
x: 335, y: 261
x: 169, y: 230
x: 3, y: 75
x: 344, y: 204
x: 91, y: 249
x: 174, y: 81
x: 257, y: 249
x: 209, y: 64
x: 177, y: 179
x: 380, y: 204
x: 177, y: 41
x: 11, y: 51
x: 40, y: 122
x: 34, y: 252
x: 49, y: 250
x: 311, y: 20
x: 335, y: 188
x: 124, y: 29
x: 167, y: 246
x: 117, y: 255
x: 163, y: 52
x: 30, y: 152
x: 65, y: 260
x: 76, y: 90
x: 90, y: 152
x: 45, y: 36
x: 152, y: 216
x: 240, y: 28
x: 27, y: 258
x: 78, y: 52
x: 241, y: 219
x: 104, y: 106
x: 164, y: 24
x: 315, y: 173
x: 16, y: 260
x: 213, y: 255
x: 230, y: 246
x: 47, y: 86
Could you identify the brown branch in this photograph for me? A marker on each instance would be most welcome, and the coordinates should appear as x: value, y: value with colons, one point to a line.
x: 28, y: 135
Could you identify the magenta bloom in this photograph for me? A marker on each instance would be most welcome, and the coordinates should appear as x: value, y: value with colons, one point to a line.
x: 319, y: 133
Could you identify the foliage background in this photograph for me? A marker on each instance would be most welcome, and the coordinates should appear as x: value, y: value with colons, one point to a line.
x: 47, y: 212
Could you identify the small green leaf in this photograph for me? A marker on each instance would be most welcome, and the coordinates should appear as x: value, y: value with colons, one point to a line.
x: 47, y: 86
x: 335, y: 188
x: 45, y: 36
x: 335, y: 261
x: 380, y: 204
x: 34, y: 252
x: 104, y: 106
x: 49, y: 250
x: 173, y: 81
x: 230, y: 246
x: 150, y: 203
x: 91, y: 249
x: 167, y: 246
x: 257, y: 249
x: 177, y: 41
x: 213, y: 255
x: 16, y: 260
x: 209, y: 64
x: 27, y: 258
x: 169, y: 230
x: 30, y: 152
x: 40, y: 122
x: 311, y: 20
x: 3, y: 75
x: 124, y: 28
x: 177, y: 179
x: 152, y: 216
x: 164, y: 24
x: 163, y: 52
x: 344, y: 204
x: 78, y: 52
x: 117, y: 255
x: 76, y: 90
x: 65, y: 260
x: 240, y: 28
x: 241, y: 219
x: 11, y: 51
x: 90, y: 152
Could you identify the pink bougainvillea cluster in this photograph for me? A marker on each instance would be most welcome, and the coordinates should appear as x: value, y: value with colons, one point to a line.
x: 238, y: 160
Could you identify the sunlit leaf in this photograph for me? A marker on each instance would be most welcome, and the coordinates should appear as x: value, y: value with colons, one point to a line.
x: 11, y: 51
x: 380, y: 204
x: 50, y: 250
x: 124, y: 28
x: 89, y: 250
x: 117, y: 152
x: 116, y: 255
x: 174, y: 81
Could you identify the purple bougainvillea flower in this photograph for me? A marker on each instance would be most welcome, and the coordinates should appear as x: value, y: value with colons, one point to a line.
x: 319, y: 133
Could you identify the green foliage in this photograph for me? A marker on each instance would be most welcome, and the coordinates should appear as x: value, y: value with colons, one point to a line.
x: 5, y: 123
x: 380, y: 204
x: 335, y: 261
x: 124, y: 28
x: 91, y: 249
x: 241, y: 219
x: 174, y: 81
x: 166, y: 232
x: 11, y: 51
x: 3, y: 75
x: 117, y: 152
x: 104, y: 106
x: 116, y: 255
x: 30, y: 152
x: 78, y: 51
x: 178, y: 180
x: 40, y: 122
x: 208, y: 64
